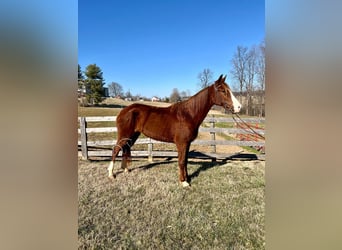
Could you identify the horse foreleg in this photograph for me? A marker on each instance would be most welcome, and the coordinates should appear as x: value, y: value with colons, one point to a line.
x: 183, y: 150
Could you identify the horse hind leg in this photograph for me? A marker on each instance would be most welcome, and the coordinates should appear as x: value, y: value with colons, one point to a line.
x: 126, y: 152
x: 126, y: 158
x: 116, y: 149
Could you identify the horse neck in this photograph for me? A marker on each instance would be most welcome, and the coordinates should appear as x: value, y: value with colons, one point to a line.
x: 199, y: 105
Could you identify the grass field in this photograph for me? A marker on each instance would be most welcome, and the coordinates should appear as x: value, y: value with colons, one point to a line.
x: 147, y: 209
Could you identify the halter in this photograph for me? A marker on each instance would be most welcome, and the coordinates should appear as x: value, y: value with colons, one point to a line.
x: 225, y: 106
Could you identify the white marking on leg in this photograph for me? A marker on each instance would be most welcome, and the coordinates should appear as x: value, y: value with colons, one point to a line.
x: 236, y: 104
x: 110, y: 169
x: 124, y: 165
x: 185, y: 184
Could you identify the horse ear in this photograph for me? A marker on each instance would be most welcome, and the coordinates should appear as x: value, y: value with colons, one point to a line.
x: 220, y: 78
x: 224, y: 78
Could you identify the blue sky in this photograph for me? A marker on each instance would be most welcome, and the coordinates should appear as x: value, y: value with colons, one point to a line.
x: 151, y: 46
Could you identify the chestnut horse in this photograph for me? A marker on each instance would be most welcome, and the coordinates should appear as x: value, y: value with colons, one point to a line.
x: 177, y: 123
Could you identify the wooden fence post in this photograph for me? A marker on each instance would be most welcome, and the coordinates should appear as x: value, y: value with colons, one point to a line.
x: 212, y: 135
x: 255, y: 136
x: 149, y: 150
x: 83, y: 127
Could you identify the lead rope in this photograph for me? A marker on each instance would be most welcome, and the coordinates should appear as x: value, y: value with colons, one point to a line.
x: 127, y: 140
x: 247, y: 125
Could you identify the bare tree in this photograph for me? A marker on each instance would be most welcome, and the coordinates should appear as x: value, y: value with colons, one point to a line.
x: 115, y: 89
x: 245, y: 66
x: 175, y: 96
x: 205, y: 78
x: 238, y: 71
x: 260, y: 71
x: 183, y: 95
x: 260, y: 67
x: 250, y: 77
x: 130, y: 96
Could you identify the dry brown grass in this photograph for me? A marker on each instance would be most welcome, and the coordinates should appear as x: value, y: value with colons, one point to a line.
x: 116, y: 101
x: 147, y: 209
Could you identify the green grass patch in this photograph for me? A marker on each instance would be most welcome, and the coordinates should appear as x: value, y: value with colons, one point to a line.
x: 225, y: 125
x: 147, y: 209
x: 97, y: 111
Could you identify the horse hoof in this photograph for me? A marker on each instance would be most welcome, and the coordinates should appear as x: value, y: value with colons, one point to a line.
x: 126, y: 170
x: 111, y: 177
x: 185, y: 184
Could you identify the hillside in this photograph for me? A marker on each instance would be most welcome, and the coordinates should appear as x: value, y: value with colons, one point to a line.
x: 110, y: 102
x: 120, y: 102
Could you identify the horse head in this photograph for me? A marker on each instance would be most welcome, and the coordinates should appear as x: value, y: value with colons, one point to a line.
x: 224, y: 96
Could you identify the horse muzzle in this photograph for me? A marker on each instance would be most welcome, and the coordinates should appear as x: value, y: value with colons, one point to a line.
x: 232, y: 108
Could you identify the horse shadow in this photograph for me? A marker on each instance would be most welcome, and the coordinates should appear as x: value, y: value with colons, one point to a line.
x: 155, y: 164
x: 203, y: 165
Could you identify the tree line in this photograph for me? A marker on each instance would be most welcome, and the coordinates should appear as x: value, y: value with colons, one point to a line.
x: 91, y: 87
x: 247, y: 73
x: 248, y: 78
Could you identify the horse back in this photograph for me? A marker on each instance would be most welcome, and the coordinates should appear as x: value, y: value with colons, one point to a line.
x: 155, y: 122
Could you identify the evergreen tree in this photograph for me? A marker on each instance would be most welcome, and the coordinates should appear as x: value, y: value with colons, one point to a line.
x: 80, y: 78
x: 94, y: 83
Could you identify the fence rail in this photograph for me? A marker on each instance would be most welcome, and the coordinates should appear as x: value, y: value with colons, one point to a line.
x: 103, y: 147
x: 207, y: 119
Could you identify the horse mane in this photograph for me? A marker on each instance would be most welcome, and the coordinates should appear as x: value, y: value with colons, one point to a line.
x: 194, y: 105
